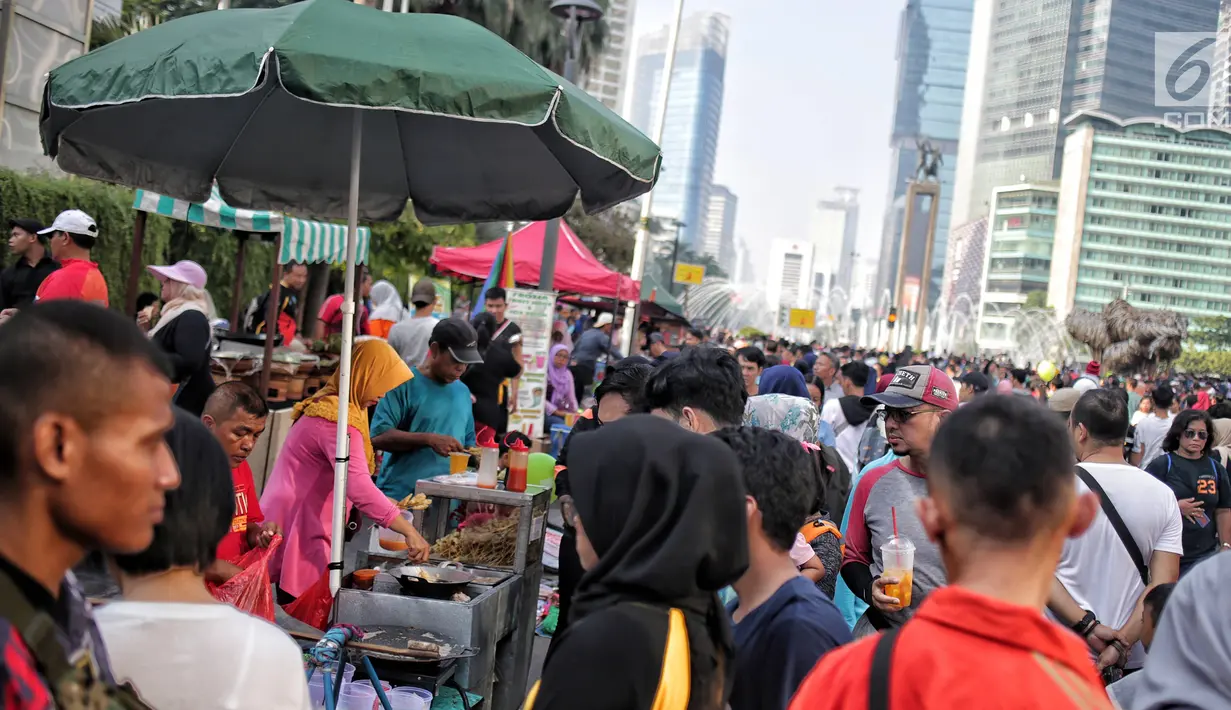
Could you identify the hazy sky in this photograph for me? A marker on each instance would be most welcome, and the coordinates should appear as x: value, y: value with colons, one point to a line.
x: 807, y: 105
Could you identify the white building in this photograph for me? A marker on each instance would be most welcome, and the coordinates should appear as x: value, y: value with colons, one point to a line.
x: 609, y: 73
x: 790, y: 268
x: 835, y: 227
x: 720, y: 228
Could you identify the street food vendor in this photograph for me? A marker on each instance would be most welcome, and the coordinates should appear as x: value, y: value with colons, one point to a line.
x: 235, y: 414
x: 425, y: 419
x: 299, y: 493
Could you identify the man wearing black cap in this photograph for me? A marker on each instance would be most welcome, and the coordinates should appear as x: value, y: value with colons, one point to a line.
x: 421, y: 422
x: 972, y: 384
x: 19, y: 282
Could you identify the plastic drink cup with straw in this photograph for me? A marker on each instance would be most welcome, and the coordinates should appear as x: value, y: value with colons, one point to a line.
x: 898, y: 558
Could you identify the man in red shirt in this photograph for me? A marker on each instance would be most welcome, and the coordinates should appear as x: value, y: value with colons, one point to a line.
x: 1002, y: 499
x: 71, y: 237
x: 329, y: 319
x: 236, y: 414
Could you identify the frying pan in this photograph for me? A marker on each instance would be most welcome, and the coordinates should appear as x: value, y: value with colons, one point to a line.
x: 436, y: 582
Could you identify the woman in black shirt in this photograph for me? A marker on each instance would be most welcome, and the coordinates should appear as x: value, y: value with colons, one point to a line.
x: 183, y: 331
x: 486, y: 379
x: 1200, y: 484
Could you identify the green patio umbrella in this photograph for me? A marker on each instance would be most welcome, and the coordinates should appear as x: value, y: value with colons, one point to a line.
x: 327, y: 109
x: 261, y: 101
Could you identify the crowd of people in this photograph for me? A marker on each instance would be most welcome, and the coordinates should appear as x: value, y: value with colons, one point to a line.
x: 747, y: 524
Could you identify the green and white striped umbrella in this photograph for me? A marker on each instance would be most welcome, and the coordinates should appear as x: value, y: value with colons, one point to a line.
x: 303, y: 240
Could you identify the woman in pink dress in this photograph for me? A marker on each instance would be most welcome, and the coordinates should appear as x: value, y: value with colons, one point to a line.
x: 300, y: 488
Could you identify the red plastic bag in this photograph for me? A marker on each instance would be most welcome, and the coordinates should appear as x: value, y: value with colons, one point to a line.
x: 250, y: 590
x: 314, y: 606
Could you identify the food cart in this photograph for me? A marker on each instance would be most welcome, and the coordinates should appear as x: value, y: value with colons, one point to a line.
x: 487, y: 631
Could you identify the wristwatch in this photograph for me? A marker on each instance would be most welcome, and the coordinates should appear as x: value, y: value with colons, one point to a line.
x: 1088, y: 622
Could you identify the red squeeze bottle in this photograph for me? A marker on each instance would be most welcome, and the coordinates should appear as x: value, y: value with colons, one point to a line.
x: 519, y: 459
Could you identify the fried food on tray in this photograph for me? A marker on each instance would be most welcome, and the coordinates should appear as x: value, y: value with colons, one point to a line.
x: 416, y: 501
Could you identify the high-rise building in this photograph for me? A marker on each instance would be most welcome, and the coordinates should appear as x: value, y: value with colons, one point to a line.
x: 720, y: 228
x: 933, y: 45
x: 34, y: 37
x: 1220, y: 93
x: 964, y: 269
x: 835, y: 231
x: 745, y: 270
x: 609, y: 72
x: 790, y: 268
x: 1020, y: 229
x: 1042, y: 64
x: 694, y: 111
x: 1144, y: 214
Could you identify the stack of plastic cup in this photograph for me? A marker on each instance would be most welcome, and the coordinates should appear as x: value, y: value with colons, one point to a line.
x: 348, y: 671
x: 367, y: 683
x: 404, y: 701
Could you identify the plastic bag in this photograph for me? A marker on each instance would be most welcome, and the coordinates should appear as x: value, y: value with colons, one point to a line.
x: 251, y: 591
x: 314, y: 606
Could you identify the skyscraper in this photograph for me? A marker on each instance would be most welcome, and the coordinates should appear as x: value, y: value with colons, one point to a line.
x: 834, y: 235
x: 690, y: 134
x: 933, y: 44
x: 1043, y: 65
x: 720, y: 228
x: 609, y: 73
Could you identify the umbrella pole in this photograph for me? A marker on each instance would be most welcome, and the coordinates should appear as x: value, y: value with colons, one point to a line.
x: 342, y: 458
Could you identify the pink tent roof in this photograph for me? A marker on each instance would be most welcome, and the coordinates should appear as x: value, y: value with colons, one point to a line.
x: 577, y: 269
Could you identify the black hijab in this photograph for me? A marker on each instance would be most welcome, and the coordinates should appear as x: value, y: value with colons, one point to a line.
x: 664, y: 510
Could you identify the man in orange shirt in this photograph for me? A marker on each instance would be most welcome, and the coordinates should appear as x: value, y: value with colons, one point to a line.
x: 71, y: 237
x: 1002, y: 499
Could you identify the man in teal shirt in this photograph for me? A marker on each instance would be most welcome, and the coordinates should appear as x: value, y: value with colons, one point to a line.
x: 422, y: 421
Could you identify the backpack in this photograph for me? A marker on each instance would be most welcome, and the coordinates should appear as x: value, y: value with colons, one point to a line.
x: 77, y: 683
x: 826, y: 541
x: 833, y: 482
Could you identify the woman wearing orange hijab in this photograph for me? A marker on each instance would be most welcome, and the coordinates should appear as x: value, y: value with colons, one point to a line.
x: 300, y: 487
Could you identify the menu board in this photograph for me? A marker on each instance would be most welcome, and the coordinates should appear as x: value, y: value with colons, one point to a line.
x: 533, y: 312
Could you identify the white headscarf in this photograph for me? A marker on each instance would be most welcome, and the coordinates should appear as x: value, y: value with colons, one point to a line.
x: 386, y: 303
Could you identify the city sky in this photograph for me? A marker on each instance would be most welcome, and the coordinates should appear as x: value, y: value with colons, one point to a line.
x: 807, y: 106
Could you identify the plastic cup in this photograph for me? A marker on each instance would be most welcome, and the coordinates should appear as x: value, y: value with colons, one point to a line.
x: 316, y: 690
x: 356, y: 697
x: 570, y: 419
x: 458, y: 462
x: 348, y: 671
x: 420, y: 693
x: 898, y: 557
x: 404, y: 701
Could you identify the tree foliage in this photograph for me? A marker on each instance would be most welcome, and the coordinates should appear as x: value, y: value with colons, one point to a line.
x: 1212, y: 332
x: 528, y: 25
x: 1197, y: 363
x: 611, y: 235
x: 1036, y: 299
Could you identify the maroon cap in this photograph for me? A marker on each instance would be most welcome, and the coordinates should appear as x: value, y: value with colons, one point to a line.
x: 883, y: 381
x: 915, y: 385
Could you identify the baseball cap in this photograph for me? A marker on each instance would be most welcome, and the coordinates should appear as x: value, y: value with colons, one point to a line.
x: 33, y: 226
x: 185, y: 272
x: 977, y: 380
x: 1064, y: 399
x: 459, y: 338
x: 915, y: 385
x: 73, y: 222
x: 603, y: 319
x: 424, y: 291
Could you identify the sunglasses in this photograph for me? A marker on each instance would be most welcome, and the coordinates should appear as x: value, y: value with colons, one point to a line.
x: 901, y: 416
x: 1198, y: 435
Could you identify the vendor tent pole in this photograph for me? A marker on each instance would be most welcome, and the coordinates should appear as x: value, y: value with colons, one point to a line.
x: 237, y: 290
x: 134, y: 264
x: 342, y: 457
x: 273, y: 310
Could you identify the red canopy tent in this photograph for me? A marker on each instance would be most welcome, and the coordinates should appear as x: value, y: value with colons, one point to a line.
x: 577, y: 269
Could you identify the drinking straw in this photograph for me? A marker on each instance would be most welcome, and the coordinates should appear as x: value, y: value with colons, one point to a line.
x: 893, y: 511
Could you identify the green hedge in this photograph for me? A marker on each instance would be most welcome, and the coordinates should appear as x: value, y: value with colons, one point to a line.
x: 42, y: 197
x: 398, y: 250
